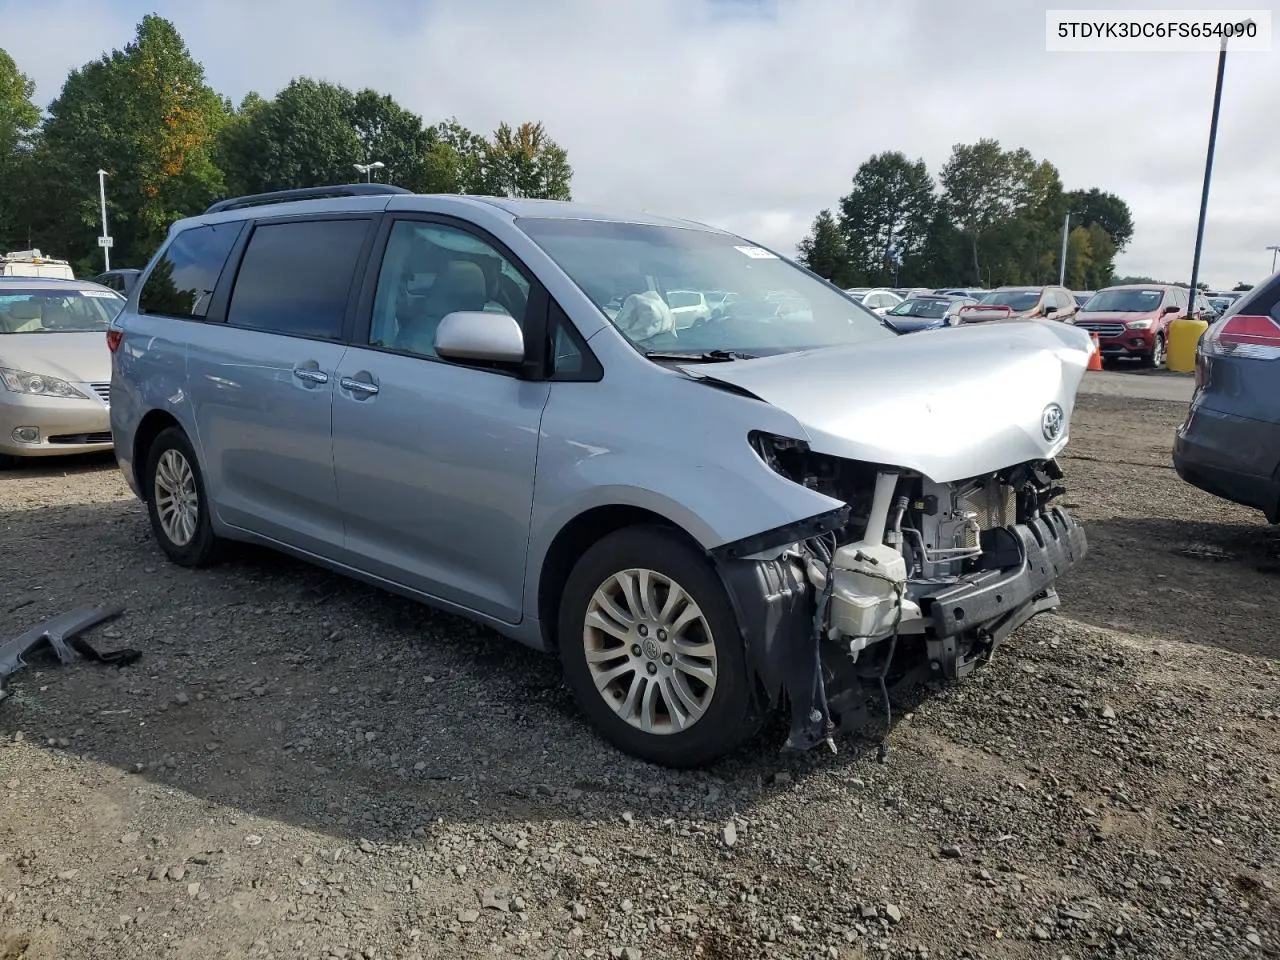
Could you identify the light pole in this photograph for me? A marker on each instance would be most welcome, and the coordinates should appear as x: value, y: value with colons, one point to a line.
x: 1062, y: 265
x: 105, y: 242
x: 1208, y: 170
x: 368, y: 168
x: 1274, y: 251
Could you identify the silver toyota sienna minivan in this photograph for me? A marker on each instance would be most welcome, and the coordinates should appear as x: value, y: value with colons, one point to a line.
x: 490, y: 405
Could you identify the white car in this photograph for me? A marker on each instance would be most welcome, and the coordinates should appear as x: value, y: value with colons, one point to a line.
x: 876, y: 299
x: 688, y: 307
x: 32, y: 263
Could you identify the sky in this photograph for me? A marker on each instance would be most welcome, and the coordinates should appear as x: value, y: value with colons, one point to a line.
x: 753, y: 115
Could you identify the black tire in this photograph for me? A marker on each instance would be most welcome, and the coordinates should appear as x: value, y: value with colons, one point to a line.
x: 204, y: 548
x: 1155, y: 359
x: 730, y: 718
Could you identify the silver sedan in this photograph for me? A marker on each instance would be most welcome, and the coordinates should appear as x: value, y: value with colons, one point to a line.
x: 55, y: 369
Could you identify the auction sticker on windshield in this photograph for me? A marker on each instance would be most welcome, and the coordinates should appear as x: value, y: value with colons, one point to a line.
x: 99, y: 294
x: 757, y: 253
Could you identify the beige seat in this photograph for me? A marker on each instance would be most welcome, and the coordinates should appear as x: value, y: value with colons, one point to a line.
x: 460, y: 285
x: 24, y: 316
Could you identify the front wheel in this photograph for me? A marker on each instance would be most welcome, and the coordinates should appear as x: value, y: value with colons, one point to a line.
x: 176, y: 501
x: 652, y: 651
x: 1154, y: 359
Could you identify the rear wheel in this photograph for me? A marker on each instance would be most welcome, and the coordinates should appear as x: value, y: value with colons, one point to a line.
x: 176, y: 501
x: 652, y: 651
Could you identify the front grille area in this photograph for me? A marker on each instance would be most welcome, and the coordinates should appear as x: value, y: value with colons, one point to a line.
x: 103, y: 390
x: 992, y: 505
x: 103, y: 436
x: 1103, y: 329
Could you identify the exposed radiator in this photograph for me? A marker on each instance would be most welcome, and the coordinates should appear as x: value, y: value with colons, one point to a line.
x: 992, y: 505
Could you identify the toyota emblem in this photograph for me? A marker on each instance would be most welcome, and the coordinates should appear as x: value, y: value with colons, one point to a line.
x: 1051, y: 422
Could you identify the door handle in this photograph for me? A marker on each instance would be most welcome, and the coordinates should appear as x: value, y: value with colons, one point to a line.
x: 310, y: 375
x: 358, y: 386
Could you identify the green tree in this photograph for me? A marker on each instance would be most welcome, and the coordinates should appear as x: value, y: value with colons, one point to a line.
x: 1242, y: 287
x: 825, y: 252
x: 1080, y: 259
x: 1105, y: 209
x: 233, y: 151
x: 891, y: 204
x: 1091, y: 255
x: 944, y: 258
x: 303, y: 137
x: 980, y: 190
x: 19, y: 119
x: 455, y: 160
x: 391, y: 134
x: 146, y: 116
x: 524, y: 162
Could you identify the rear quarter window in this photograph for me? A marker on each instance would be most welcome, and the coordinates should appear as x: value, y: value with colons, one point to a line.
x: 182, y: 282
x: 296, y: 278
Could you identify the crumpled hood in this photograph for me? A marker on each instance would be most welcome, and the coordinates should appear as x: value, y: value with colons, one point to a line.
x: 77, y: 357
x: 951, y: 404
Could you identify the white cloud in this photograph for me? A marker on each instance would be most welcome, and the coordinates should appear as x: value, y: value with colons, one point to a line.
x: 755, y: 122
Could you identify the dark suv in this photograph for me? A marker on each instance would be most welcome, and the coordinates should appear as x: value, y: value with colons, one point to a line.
x: 1229, y: 444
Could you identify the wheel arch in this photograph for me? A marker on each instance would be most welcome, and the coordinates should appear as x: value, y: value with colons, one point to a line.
x: 577, y: 536
x: 150, y: 427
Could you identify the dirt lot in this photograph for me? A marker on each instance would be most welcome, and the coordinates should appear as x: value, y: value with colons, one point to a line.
x: 303, y: 767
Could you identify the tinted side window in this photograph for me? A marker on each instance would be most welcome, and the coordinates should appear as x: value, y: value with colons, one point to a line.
x: 296, y: 278
x: 184, y: 278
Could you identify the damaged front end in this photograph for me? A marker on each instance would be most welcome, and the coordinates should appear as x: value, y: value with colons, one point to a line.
x: 910, y: 581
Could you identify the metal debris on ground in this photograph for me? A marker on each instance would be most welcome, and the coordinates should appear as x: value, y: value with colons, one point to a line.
x: 1205, y: 551
x: 62, y: 634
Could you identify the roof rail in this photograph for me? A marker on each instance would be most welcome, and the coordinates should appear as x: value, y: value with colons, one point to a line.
x: 306, y: 193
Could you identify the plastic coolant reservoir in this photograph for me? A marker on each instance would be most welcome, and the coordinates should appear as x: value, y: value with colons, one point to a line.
x: 864, y: 600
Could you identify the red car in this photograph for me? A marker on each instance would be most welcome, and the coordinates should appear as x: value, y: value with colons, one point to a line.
x: 1132, y: 320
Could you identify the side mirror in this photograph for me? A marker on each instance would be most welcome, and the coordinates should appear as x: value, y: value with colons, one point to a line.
x: 1050, y: 308
x: 480, y: 335
x: 1170, y: 309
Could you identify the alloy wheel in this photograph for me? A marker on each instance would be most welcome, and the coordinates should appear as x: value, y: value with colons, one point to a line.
x: 177, y: 501
x: 650, y: 651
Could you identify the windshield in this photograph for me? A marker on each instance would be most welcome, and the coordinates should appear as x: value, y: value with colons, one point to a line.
x: 930, y: 309
x: 1013, y: 299
x: 1124, y: 301
x: 35, y: 310
x: 629, y: 271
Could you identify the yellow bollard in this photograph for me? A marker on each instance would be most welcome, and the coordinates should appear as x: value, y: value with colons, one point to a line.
x: 1184, y: 336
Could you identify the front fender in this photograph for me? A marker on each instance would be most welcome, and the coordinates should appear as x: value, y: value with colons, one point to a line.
x: 681, y: 452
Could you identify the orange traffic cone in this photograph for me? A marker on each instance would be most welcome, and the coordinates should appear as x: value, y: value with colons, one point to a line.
x: 1095, y: 356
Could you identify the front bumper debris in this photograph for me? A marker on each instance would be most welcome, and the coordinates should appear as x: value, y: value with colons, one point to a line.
x: 62, y: 633
x: 1048, y: 547
x: 964, y: 623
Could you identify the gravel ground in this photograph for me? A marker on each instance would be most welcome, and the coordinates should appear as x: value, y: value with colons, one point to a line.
x: 303, y: 767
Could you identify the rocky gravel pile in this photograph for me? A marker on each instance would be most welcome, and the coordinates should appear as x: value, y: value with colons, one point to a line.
x: 302, y: 767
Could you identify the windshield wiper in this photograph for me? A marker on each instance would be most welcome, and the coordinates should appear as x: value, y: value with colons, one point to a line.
x: 696, y: 356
